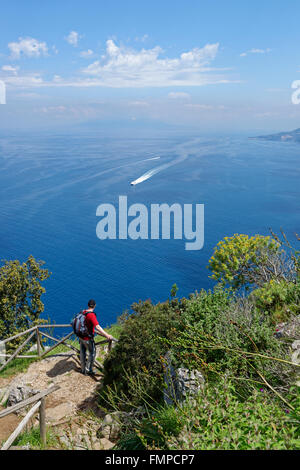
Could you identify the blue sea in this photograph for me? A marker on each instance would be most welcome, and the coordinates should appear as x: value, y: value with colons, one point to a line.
x: 51, y: 186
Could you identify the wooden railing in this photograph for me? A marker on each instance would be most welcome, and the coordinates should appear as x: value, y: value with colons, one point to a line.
x: 37, y: 332
x: 39, y: 400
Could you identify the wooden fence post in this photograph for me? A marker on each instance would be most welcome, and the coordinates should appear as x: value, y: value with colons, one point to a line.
x: 42, y: 418
x: 38, y: 342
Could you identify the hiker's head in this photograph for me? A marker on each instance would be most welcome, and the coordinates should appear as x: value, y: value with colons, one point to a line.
x: 92, y: 303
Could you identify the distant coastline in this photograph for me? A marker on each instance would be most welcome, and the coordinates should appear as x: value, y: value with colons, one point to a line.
x: 292, y: 136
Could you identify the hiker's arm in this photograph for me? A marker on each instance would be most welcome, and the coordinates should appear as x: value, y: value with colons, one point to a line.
x: 101, y: 332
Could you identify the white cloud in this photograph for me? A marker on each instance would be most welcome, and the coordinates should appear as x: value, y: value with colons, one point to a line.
x: 73, y: 38
x: 10, y: 69
x: 139, y: 103
x: 86, y: 54
x: 124, y: 67
x: 28, y: 47
x: 199, y: 106
x: 121, y: 67
x: 255, y: 51
x: 142, y: 38
x: 175, y: 95
x: 25, y: 81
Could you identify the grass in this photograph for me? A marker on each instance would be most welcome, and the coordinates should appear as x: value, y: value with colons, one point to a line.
x: 16, y: 366
x: 32, y: 437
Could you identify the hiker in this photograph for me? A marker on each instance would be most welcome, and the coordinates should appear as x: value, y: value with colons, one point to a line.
x: 87, y: 343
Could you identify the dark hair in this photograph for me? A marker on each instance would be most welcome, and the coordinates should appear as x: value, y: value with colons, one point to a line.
x: 91, y: 303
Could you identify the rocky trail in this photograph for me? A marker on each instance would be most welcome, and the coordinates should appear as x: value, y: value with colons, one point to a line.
x: 71, y: 411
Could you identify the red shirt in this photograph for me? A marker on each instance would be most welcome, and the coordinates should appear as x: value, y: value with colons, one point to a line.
x: 91, y: 322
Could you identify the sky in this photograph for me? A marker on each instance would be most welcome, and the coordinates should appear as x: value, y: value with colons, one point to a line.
x: 217, y: 66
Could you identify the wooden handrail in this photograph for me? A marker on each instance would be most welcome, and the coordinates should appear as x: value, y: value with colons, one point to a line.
x: 20, y: 426
x: 57, y: 344
x: 17, y: 351
x: 6, y: 340
x: 40, y: 405
x: 36, y: 331
x: 28, y: 401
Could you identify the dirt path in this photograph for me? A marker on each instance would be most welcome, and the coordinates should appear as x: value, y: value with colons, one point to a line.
x: 77, y: 393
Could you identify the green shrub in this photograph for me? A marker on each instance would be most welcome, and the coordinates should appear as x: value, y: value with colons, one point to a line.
x: 219, y: 420
x: 214, y: 332
x: 153, y: 431
x: 20, y: 297
x: 216, y: 419
x: 280, y: 300
x: 241, y: 260
x: 138, y: 353
x: 229, y: 336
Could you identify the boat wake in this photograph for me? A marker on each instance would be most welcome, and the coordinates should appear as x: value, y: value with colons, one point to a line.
x: 182, y: 155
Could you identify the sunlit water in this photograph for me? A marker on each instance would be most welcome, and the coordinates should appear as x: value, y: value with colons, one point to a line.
x: 51, y: 186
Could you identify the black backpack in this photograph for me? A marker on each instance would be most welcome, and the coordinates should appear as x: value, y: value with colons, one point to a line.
x: 79, y: 325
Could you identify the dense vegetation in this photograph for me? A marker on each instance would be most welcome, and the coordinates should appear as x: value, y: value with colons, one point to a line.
x: 250, y: 399
x: 229, y: 334
x: 20, y: 296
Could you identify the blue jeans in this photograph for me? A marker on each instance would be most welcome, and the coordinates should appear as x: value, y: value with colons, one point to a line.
x: 87, y: 346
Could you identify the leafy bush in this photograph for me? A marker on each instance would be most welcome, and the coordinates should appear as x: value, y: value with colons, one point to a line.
x: 218, y: 420
x: 20, y: 296
x: 230, y: 336
x: 280, y: 300
x: 153, y: 431
x: 214, y: 332
x: 138, y: 353
x: 241, y: 260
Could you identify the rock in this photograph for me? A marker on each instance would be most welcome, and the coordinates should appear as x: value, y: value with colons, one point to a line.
x: 188, y: 382
x: 296, y: 354
x: 180, y: 382
x: 64, y: 441
x: 58, y: 412
x: 19, y: 393
x: 87, y: 442
x: 111, y: 425
x: 97, y: 446
x: 106, y: 444
x: 290, y: 329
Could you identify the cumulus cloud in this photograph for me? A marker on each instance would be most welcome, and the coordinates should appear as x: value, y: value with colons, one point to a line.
x: 28, y: 47
x: 73, y: 38
x: 124, y: 67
